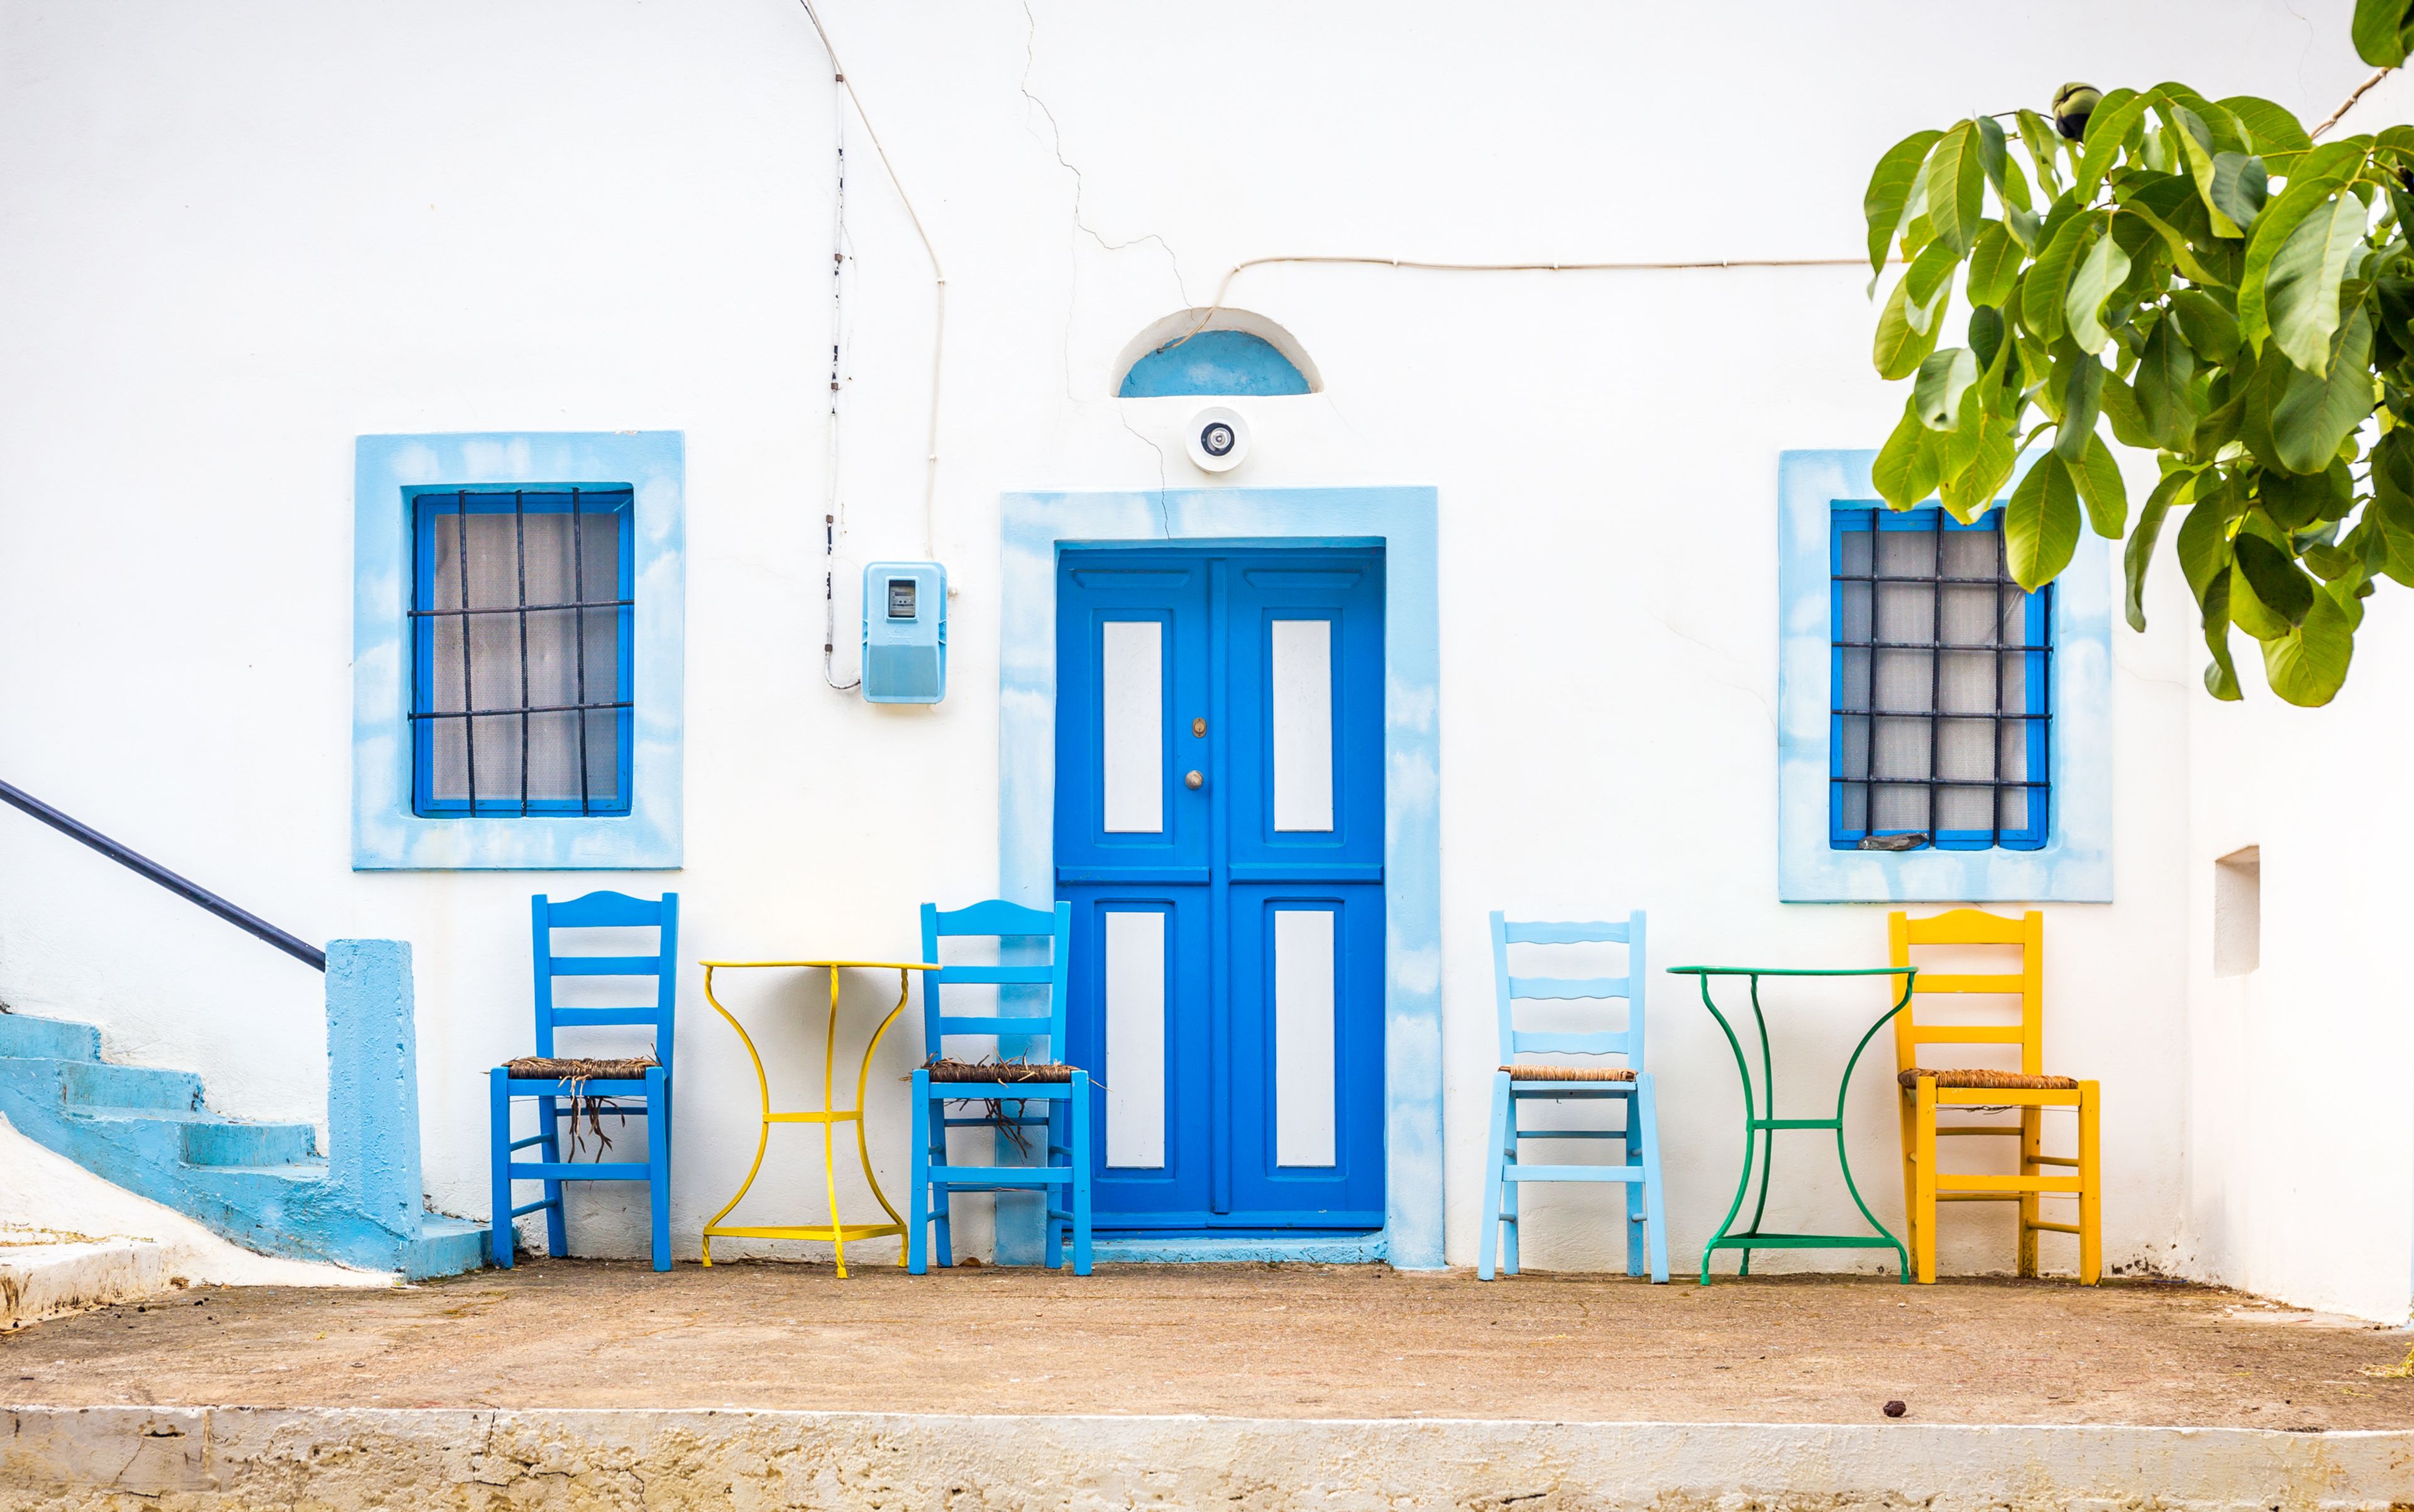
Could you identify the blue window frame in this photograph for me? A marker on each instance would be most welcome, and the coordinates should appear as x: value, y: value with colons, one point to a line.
x: 1941, y: 681
x: 523, y: 657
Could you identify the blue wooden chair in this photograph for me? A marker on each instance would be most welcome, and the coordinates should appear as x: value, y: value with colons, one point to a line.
x: 1003, y: 1092
x: 1515, y: 1085
x: 551, y: 1079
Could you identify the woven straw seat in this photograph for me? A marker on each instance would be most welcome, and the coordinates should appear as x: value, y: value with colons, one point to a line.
x: 1569, y: 1073
x: 1002, y: 1071
x: 1986, y: 1080
x: 564, y: 1068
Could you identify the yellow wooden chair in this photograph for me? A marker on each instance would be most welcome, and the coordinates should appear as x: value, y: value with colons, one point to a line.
x: 1926, y: 1089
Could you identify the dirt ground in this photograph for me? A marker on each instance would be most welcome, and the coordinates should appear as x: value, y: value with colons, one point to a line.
x: 1245, y: 1340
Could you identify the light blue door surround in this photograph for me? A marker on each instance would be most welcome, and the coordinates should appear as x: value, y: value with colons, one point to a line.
x: 386, y: 834
x: 1403, y: 521
x: 2074, y: 864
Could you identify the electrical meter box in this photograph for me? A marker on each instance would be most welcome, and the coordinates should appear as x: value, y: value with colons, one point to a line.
x: 905, y: 632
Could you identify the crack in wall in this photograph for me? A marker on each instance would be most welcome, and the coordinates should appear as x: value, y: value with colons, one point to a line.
x: 1173, y: 259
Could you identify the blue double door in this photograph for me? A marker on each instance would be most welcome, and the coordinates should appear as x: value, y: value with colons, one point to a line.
x: 1219, y: 832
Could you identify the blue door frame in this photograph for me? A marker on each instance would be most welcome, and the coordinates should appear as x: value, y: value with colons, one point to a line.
x: 1220, y: 873
x: 1034, y: 529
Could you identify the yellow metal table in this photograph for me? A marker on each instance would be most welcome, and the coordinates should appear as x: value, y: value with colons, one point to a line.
x: 829, y: 1116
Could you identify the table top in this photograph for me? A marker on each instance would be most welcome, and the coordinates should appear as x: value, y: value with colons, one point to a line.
x: 1793, y: 971
x: 868, y: 966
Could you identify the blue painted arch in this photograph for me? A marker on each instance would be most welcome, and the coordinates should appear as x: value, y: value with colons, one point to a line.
x: 1214, y: 362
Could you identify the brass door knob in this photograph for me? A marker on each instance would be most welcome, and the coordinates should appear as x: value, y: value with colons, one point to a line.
x: 1193, y: 781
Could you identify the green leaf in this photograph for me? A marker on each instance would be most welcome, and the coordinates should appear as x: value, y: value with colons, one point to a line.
x: 1931, y: 274
x: 2208, y: 326
x: 2189, y: 257
x: 2221, y: 678
x: 2239, y: 188
x: 1889, y: 191
x: 2041, y: 523
x: 1944, y: 378
x: 2099, y: 477
x: 2116, y: 115
x: 1978, y: 457
x: 1986, y: 335
x: 2311, y: 416
x: 2301, y: 288
x: 2308, y: 666
x: 2043, y: 289
x: 2272, y: 573
x: 2163, y: 379
x: 2379, y: 31
x: 2194, y: 139
x: 2273, y: 128
x: 2091, y: 284
x: 2317, y: 176
x: 2119, y: 406
x: 2082, y: 399
x: 2395, y: 513
x: 2139, y: 553
x: 2204, y: 538
x: 2045, y: 148
x: 1900, y: 347
x: 1994, y: 264
x: 1906, y: 467
x: 1957, y: 188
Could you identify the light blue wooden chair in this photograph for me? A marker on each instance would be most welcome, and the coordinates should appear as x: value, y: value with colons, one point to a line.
x: 639, y: 1086
x: 1515, y: 1085
x: 1003, y: 1093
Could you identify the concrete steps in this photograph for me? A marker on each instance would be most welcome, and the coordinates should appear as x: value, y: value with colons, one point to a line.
x: 264, y: 1185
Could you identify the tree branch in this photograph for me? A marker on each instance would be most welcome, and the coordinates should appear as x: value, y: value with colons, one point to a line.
x: 2348, y: 104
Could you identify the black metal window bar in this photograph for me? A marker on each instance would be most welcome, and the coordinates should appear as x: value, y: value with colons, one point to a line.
x: 521, y: 699
x: 1943, y: 709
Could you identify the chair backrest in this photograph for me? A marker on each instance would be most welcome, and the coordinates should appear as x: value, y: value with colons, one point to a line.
x: 608, y: 910
x: 1015, y: 980
x: 1627, y: 1042
x: 1971, y: 926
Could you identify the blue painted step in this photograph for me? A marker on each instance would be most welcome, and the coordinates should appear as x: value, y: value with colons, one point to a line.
x: 150, y: 1129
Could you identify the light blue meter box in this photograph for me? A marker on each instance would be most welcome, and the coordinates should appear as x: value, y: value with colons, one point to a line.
x: 905, y: 632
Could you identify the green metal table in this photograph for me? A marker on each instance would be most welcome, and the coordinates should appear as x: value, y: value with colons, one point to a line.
x: 1765, y: 1129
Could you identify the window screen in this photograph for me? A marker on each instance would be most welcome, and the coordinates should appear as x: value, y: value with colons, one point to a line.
x: 1943, y: 685
x: 521, y: 618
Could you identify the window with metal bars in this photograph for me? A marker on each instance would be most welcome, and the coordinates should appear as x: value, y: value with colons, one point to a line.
x: 1942, y: 684
x: 522, y: 617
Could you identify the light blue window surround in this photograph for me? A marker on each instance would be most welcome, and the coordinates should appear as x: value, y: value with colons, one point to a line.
x: 390, y: 474
x: 1944, y: 714
x: 1214, y: 362
x: 565, y: 669
x: 2071, y: 863
x: 1403, y: 521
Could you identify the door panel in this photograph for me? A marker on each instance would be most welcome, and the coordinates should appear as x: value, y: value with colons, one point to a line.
x: 1227, y: 966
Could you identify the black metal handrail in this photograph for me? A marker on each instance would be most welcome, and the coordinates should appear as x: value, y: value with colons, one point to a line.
x: 133, y: 860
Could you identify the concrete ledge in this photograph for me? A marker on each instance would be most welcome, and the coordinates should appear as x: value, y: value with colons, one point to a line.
x: 216, y: 1459
x: 44, y: 1281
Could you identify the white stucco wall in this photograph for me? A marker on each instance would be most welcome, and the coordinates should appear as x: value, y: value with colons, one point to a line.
x: 234, y: 238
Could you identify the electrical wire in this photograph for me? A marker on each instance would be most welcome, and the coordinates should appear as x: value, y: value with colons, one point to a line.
x: 938, y: 354
x: 1226, y: 287
x: 838, y: 338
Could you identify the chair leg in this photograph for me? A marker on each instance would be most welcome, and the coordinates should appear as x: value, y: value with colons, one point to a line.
x: 2091, y: 1185
x: 556, y: 1212
x: 1510, y: 1193
x: 499, y: 1243
x: 1907, y: 1115
x: 2032, y: 1145
x: 1052, y: 1243
x: 1647, y: 1111
x: 942, y: 1196
x: 1079, y: 1155
x: 1488, y: 1244
x: 1923, y: 1192
x: 657, y: 1163
x: 918, y: 1197
x: 1630, y: 1154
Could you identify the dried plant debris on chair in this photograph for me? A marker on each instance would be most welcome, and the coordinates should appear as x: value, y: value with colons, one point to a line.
x: 582, y: 1102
